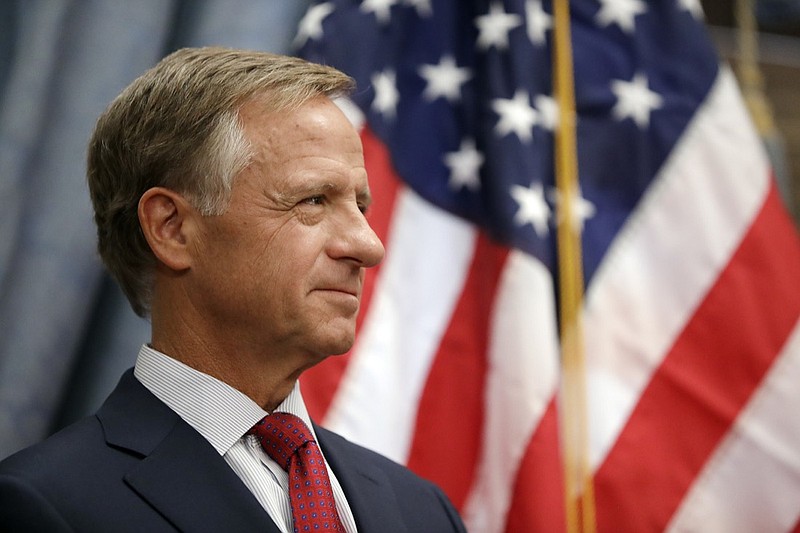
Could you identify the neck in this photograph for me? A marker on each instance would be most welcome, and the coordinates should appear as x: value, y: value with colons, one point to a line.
x: 265, y: 374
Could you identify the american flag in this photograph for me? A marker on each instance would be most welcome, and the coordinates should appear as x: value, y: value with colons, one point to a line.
x: 691, y: 266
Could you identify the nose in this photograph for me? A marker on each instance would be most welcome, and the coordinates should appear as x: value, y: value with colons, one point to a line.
x: 355, y: 240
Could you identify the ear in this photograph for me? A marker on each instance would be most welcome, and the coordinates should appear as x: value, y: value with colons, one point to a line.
x: 166, y: 219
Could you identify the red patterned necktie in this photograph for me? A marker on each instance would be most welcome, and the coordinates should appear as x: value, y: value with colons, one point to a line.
x: 288, y: 441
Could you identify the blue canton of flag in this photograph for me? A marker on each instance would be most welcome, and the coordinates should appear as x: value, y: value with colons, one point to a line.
x: 461, y: 93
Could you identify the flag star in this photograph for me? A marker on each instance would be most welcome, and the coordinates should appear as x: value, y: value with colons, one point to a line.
x: 464, y: 166
x: 423, y: 7
x: 310, y: 26
x: 581, y: 208
x: 386, y: 94
x: 381, y: 9
x: 621, y: 12
x: 538, y: 21
x: 444, y: 79
x: 493, y: 27
x: 693, y: 7
x: 547, y: 108
x: 516, y: 115
x: 533, y: 208
x: 635, y: 100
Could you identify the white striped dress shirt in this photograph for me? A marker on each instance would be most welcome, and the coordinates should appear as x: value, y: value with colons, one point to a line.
x: 223, y: 415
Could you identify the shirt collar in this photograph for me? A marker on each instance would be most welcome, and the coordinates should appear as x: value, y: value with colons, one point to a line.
x: 219, y: 412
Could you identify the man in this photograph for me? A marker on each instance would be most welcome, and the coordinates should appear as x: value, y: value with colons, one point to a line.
x: 229, y: 195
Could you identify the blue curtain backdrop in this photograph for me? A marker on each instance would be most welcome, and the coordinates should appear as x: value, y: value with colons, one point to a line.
x: 67, y: 331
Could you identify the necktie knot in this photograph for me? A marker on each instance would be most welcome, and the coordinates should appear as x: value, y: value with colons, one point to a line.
x: 281, y: 435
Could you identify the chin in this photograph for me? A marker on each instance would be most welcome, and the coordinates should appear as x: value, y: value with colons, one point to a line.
x: 339, y: 344
x: 335, y: 337
x: 342, y: 347
x: 328, y: 350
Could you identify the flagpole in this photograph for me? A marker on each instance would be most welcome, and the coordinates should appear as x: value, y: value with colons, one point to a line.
x: 578, y: 481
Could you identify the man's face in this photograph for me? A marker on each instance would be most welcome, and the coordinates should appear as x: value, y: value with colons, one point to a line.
x: 282, y: 269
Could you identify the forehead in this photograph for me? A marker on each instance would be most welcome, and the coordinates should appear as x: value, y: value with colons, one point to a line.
x: 314, y: 140
x: 318, y: 121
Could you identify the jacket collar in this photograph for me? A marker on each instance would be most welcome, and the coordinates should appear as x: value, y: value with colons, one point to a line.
x: 180, y: 474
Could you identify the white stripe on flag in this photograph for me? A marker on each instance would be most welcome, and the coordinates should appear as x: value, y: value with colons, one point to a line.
x: 419, y: 285
x: 668, y: 255
x: 752, y: 482
x: 522, y: 378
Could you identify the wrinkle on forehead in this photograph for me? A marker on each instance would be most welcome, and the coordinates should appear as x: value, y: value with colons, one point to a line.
x: 317, y: 121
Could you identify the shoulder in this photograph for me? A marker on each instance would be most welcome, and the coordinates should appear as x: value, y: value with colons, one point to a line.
x: 34, y: 480
x: 24, y: 506
x: 339, y: 445
x: 421, y: 504
x: 61, y: 452
x: 77, y: 454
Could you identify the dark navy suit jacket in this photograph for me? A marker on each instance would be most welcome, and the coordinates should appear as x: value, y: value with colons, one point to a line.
x: 137, y: 466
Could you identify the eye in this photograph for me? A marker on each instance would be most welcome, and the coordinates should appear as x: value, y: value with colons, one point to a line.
x: 314, y: 200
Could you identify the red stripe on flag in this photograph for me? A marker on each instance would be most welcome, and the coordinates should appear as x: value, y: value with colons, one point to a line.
x: 538, y: 503
x: 449, y: 423
x: 705, y: 380
x: 320, y: 382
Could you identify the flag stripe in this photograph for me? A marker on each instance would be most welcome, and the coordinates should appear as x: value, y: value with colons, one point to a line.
x: 538, y: 501
x: 707, y: 377
x: 759, y: 452
x: 522, y: 378
x: 451, y: 407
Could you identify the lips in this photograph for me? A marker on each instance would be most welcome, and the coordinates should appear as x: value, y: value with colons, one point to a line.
x: 351, y: 287
x: 346, y: 285
x: 356, y: 292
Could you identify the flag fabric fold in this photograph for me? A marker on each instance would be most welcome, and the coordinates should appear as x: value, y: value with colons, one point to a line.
x: 692, y: 303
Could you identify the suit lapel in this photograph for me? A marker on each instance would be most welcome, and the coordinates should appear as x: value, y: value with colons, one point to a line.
x: 193, y: 487
x: 180, y: 474
x: 369, y: 493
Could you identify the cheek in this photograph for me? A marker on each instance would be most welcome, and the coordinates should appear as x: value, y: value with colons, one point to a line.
x: 290, y: 265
